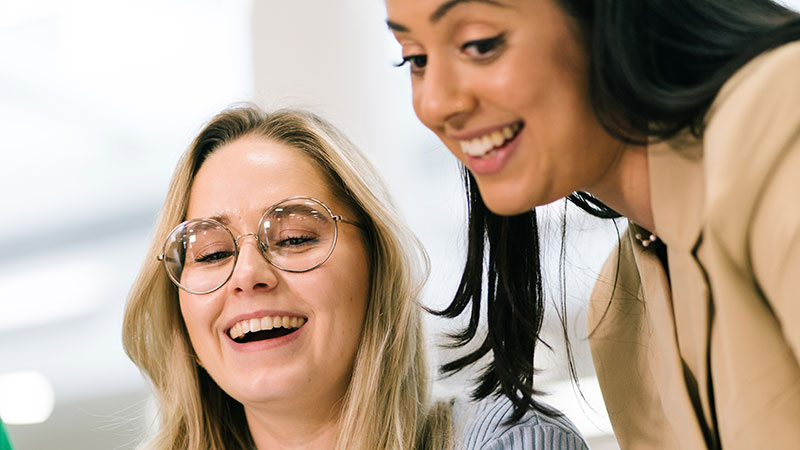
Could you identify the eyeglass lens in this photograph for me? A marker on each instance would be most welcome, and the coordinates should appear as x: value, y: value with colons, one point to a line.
x: 295, y: 235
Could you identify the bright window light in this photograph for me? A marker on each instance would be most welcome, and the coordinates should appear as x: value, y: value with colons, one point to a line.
x: 78, y: 290
x: 587, y: 413
x: 25, y: 398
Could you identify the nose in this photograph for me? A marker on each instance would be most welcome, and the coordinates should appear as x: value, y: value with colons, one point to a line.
x: 441, y: 97
x: 252, y: 272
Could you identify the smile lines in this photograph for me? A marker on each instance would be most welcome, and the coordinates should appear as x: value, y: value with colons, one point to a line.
x: 483, y: 145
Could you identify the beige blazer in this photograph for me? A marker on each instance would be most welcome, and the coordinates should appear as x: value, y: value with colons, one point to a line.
x: 705, y: 354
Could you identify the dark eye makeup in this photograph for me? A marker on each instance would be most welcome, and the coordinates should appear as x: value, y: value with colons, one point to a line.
x: 484, y: 47
x: 482, y: 50
x: 416, y: 62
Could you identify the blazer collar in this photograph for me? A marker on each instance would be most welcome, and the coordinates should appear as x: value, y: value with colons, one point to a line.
x: 677, y: 190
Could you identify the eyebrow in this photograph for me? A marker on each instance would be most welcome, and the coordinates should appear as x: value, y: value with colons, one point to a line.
x: 441, y: 11
x: 222, y: 218
x: 225, y: 219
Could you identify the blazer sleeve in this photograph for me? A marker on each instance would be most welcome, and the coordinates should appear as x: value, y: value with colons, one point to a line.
x: 754, y: 152
x: 775, y: 239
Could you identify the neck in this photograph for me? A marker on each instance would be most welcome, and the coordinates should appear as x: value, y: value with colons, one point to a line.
x: 310, y: 427
x: 626, y: 187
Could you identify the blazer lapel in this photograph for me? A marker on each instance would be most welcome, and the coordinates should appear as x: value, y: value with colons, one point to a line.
x: 665, y: 359
x: 677, y: 185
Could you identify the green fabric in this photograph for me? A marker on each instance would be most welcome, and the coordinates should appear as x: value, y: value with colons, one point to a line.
x: 4, y: 442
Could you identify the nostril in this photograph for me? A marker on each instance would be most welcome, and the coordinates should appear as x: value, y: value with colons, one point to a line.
x: 255, y: 287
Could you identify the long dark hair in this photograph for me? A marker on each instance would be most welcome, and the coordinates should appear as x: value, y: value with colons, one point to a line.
x: 655, y: 67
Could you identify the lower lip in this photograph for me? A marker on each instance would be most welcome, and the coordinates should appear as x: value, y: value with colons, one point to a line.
x: 495, y: 161
x: 266, y: 344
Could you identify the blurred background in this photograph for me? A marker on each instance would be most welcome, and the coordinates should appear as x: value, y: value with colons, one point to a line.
x: 97, y: 101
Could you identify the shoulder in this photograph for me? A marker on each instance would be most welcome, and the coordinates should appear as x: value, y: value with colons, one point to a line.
x: 481, y: 426
x: 762, y: 97
x: 751, y: 152
x: 753, y: 124
x: 778, y: 62
x: 774, y: 71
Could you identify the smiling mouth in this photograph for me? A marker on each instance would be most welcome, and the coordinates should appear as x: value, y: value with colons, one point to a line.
x: 270, y: 327
x: 485, y: 145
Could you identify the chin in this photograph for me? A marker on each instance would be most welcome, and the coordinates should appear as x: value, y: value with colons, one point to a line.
x: 258, y: 388
x: 506, y: 201
x: 510, y: 196
x: 507, y: 206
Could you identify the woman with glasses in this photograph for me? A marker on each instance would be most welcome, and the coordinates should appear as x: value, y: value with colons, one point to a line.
x: 684, y: 117
x: 277, y: 306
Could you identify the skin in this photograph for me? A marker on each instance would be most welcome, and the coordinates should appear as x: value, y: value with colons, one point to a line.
x: 291, y: 393
x: 469, y: 83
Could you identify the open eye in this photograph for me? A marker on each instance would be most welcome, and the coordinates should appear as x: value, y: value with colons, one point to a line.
x: 484, y: 49
x: 417, y: 63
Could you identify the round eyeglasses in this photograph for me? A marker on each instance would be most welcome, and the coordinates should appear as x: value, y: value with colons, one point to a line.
x: 297, y: 234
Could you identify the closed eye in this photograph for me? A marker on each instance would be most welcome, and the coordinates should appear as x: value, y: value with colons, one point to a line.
x: 296, y: 241
x: 213, y: 257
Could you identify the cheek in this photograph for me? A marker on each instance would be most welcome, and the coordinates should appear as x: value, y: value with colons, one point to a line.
x: 352, y: 300
x: 526, y: 90
x: 511, y: 84
x: 358, y: 306
x: 355, y: 321
x: 351, y: 303
x: 197, y: 318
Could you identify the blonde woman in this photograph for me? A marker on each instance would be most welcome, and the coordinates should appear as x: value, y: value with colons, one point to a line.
x: 277, y: 306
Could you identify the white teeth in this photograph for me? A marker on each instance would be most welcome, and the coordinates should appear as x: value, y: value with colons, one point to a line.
x: 481, y: 146
x: 255, y: 325
x: 466, y: 147
x: 497, y: 138
x: 239, y: 329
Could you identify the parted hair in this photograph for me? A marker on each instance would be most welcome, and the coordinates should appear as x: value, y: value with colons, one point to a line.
x: 387, y: 404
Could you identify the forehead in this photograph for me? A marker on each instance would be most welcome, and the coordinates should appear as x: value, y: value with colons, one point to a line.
x: 250, y: 174
x: 404, y: 15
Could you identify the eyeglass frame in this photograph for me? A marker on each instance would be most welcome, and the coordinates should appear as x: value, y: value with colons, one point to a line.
x: 261, y: 246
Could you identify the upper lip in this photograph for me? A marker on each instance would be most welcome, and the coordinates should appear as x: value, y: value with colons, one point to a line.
x: 260, y: 314
x: 478, y: 132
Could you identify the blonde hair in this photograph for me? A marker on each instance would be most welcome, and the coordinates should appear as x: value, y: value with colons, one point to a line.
x: 387, y: 404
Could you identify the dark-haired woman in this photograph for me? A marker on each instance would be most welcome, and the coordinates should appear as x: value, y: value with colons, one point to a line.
x: 684, y: 117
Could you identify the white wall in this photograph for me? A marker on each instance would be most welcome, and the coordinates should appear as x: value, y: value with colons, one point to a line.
x: 97, y: 100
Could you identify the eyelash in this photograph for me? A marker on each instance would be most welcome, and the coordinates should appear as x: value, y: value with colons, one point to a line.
x: 297, y: 241
x: 213, y: 257
x: 486, y: 50
x: 416, y: 63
